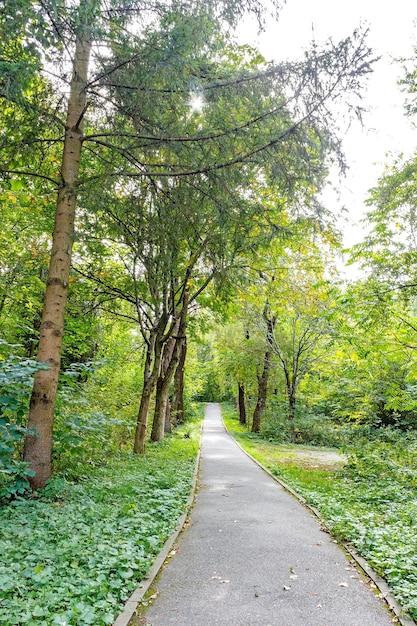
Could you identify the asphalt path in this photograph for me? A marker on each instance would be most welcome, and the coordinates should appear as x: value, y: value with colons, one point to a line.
x: 252, y: 555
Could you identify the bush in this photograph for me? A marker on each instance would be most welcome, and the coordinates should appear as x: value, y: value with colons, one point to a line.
x: 311, y: 428
x: 16, y: 379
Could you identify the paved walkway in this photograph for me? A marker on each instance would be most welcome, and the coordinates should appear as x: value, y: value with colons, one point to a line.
x: 254, y: 556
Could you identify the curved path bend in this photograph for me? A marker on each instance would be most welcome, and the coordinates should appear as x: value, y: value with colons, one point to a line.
x: 252, y: 555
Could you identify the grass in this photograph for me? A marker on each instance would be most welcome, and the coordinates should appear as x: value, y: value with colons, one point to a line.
x: 369, y: 501
x: 74, y: 555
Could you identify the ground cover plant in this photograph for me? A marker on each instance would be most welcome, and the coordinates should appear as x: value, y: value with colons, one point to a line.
x: 369, y: 500
x: 74, y: 554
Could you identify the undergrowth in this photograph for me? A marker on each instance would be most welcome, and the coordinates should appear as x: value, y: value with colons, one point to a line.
x: 74, y: 555
x: 371, y: 502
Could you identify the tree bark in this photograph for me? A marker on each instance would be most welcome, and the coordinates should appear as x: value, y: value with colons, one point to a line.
x: 241, y: 401
x: 150, y: 377
x: 168, y: 428
x: 169, y: 364
x: 177, y: 410
x: 161, y: 403
x: 38, y: 446
x: 262, y: 393
x: 292, y: 400
x: 270, y: 321
x: 291, y: 380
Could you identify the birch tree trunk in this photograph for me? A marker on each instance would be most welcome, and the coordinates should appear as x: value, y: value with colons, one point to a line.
x: 38, y: 446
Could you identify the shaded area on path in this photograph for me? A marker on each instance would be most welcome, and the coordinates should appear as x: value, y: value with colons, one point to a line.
x: 252, y: 555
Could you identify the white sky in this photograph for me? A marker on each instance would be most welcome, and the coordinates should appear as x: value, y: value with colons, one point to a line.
x: 392, y: 33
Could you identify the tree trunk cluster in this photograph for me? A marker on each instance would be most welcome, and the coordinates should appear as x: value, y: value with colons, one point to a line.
x: 165, y: 360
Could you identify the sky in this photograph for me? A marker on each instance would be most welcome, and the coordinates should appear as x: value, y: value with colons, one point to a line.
x: 392, y: 32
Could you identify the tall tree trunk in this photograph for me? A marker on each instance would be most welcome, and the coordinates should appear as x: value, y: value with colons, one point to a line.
x: 291, y: 389
x: 241, y: 401
x: 292, y: 400
x: 168, y: 428
x: 177, y: 410
x: 270, y: 321
x: 162, y: 390
x: 150, y: 377
x: 262, y: 392
x: 170, y: 361
x: 161, y: 403
x: 38, y: 446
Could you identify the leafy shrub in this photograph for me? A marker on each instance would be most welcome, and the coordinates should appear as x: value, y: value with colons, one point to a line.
x: 16, y: 379
x: 310, y: 428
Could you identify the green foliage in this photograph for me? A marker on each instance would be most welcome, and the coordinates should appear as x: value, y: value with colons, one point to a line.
x: 389, y: 251
x: 309, y: 427
x: 16, y: 377
x: 75, y: 554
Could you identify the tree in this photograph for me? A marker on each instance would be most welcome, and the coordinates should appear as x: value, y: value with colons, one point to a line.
x: 72, y: 32
x: 112, y: 152
x: 269, y: 320
x: 286, y: 309
x: 374, y: 352
x: 38, y: 446
x: 301, y: 298
x: 171, y: 357
x: 389, y: 252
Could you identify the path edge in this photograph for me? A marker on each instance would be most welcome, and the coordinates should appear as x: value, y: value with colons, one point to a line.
x: 386, y: 593
x: 137, y: 596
